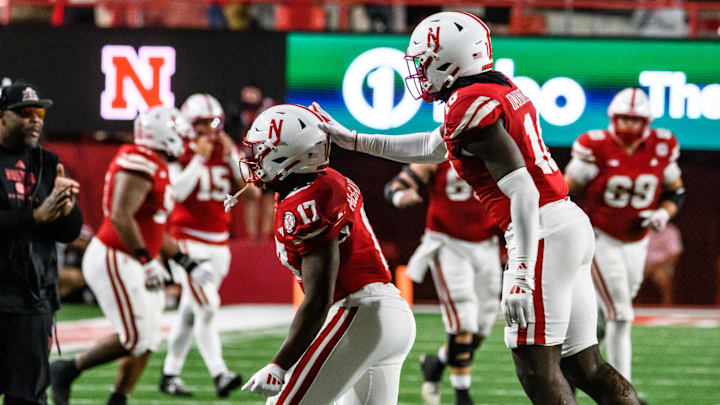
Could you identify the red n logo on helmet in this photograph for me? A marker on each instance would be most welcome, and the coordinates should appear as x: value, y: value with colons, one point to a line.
x: 275, y: 128
x: 136, y: 81
x: 433, y: 37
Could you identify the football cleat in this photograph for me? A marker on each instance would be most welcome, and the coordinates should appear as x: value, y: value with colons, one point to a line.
x: 62, y: 374
x: 174, y: 385
x: 430, y: 393
x: 226, y: 382
x: 432, y: 369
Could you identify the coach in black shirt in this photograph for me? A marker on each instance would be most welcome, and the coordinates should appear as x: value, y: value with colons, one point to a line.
x: 37, y: 209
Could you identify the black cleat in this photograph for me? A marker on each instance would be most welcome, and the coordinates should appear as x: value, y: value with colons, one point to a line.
x: 462, y: 397
x: 174, y: 385
x: 226, y: 382
x: 117, y: 399
x: 62, y: 374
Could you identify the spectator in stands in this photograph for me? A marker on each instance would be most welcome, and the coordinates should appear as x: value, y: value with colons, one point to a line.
x: 664, y: 250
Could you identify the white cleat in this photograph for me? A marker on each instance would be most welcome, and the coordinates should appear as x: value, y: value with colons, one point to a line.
x: 430, y: 393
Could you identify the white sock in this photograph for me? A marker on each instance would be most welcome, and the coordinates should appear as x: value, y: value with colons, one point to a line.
x: 618, y: 346
x: 460, y: 382
x: 179, y: 339
x: 207, y: 339
x: 442, y: 354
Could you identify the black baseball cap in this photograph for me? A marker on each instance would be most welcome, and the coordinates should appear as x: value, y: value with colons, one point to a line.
x: 21, y: 94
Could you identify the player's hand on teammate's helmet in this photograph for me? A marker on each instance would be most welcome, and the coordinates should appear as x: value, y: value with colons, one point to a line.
x: 203, y: 273
x: 656, y: 220
x: 268, y: 381
x: 517, y: 303
x: 155, y: 275
x: 340, y: 135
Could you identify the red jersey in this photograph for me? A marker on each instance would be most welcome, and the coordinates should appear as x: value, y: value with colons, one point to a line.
x: 625, y: 184
x: 201, y: 216
x: 152, y: 215
x: 454, y: 210
x: 474, y: 107
x: 331, y: 207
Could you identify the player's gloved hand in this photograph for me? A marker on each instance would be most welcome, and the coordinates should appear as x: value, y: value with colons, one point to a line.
x: 268, y: 381
x: 155, y: 275
x: 340, y: 135
x: 517, y: 303
x: 201, y: 271
x: 406, y: 198
x: 656, y: 220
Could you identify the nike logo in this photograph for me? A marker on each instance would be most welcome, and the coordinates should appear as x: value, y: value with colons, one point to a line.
x: 416, y: 43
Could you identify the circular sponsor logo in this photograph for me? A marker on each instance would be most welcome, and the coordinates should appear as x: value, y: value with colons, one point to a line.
x: 661, y: 149
x: 289, y: 222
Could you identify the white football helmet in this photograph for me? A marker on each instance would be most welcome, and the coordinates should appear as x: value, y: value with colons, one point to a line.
x: 630, y: 102
x: 443, y: 47
x: 163, y: 129
x: 201, y: 106
x: 284, y: 139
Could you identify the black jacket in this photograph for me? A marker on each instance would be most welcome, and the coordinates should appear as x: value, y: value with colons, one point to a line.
x: 28, y: 260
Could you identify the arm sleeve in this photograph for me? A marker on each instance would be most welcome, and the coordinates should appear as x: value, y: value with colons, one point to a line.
x: 184, y: 180
x: 14, y: 221
x: 672, y: 171
x: 421, y: 147
x: 524, y: 197
x: 64, y: 229
x: 581, y: 171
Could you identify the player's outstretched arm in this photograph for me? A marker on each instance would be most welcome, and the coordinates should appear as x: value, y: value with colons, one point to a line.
x: 506, y: 165
x: 319, y: 270
x: 421, y: 147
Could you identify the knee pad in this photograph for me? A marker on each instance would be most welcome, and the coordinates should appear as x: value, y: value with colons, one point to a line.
x: 147, y: 341
x: 461, y: 354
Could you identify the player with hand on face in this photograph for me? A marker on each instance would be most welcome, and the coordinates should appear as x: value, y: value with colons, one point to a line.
x: 629, y: 181
x: 492, y: 137
x: 352, y: 331
x: 200, y: 180
x: 121, y: 264
x: 460, y: 247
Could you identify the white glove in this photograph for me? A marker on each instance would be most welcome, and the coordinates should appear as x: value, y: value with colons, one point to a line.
x: 517, y: 303
x: 406, y: 198
x: 268, y: 381
x: 655, y: 219
x: 340, y: 135
x: 155, y: 275
x: 230, y: 201
x: 203, y: 273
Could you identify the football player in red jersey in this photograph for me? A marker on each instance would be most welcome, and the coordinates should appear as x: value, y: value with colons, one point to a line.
x: 460, y: 246
x: 352, y: 331
x: 492, y: 137
x: 200, y: 180
x: 631, y: 183
x: 120, y: 264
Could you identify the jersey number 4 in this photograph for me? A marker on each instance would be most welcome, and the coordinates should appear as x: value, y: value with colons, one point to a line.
x: 543, y: 160
x: 214, y: 183
x: 621, y: 191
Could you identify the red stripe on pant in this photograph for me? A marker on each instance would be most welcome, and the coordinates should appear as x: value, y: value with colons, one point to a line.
x: 116, y: 294
x: 131, y: 313
x: 603, y: 291
x: 447, y: 302
x: 315, y: 368
x: 199, y: 297
x: 538, y: 305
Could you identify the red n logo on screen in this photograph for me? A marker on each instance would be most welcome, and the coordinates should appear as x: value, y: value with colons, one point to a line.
x: 275, y: 128
x: 136, y: 81
x: 433, y: 38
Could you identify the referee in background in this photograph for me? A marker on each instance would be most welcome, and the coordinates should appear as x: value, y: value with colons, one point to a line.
x: 37, y: 209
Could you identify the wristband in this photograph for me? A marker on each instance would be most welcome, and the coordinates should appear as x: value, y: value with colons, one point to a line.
x: 142, y: 255
x: 185, y: 261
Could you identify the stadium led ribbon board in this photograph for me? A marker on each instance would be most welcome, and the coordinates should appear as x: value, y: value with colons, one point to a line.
x: 358, y: 79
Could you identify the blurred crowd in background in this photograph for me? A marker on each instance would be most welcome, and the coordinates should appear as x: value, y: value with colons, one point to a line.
x: 648, y: 18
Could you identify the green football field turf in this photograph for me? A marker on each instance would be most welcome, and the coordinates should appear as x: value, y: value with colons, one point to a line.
x: 671, y: 365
